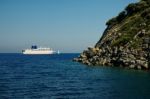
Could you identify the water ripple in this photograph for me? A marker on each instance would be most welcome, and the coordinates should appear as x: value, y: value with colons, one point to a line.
x: 57, y: 77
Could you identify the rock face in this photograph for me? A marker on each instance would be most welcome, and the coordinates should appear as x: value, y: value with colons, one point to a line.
x: 125, y: 42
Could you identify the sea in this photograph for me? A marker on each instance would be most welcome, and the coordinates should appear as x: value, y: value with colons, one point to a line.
x: 58, y: 77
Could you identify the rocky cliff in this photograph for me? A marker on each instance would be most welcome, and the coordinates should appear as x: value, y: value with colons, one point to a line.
x: 125, y: 41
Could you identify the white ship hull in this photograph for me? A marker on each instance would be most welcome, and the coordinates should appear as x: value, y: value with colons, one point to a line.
x: 37, y: 52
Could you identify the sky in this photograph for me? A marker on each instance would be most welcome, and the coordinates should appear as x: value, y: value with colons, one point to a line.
x: 66, y: 25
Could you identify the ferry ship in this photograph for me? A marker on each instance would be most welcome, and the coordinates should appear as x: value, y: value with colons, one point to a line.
x: 38, y: 50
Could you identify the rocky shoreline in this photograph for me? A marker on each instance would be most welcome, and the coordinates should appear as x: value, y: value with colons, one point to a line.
x: 118, y: 56
x: 125, y: 42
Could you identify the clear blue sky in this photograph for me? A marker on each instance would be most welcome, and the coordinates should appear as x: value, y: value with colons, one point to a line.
x: 67, y: 25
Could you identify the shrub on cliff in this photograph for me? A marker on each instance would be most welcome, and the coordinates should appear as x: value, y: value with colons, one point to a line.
x: 122, y: 41
x: 146, y: 13
x: 147, y: 1
x: 121, y: 16
x: 131, y: 9
x: 117, y: 19
x: 136, y: 7
x: 112, y: 21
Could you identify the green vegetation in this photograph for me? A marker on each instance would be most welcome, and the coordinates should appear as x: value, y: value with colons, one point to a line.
x: 146, y: 13
x: 130, y: 10
x: 130, y: 22
x: 122, y: 40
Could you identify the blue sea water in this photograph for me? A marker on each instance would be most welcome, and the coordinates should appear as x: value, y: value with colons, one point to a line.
x: 57, y: 77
